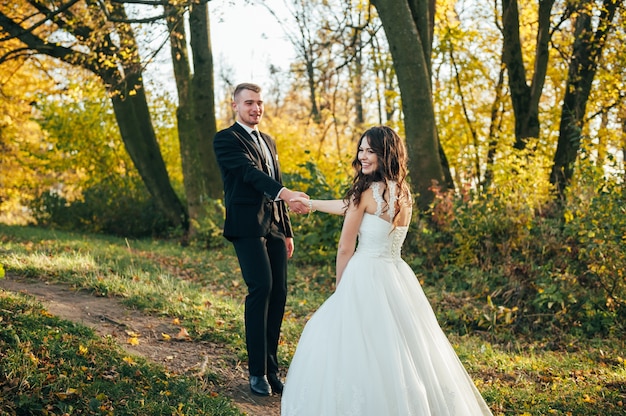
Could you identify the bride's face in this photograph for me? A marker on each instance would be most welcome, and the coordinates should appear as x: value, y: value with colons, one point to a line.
x: 367, y: 157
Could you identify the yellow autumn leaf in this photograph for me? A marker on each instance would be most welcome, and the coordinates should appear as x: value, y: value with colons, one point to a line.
x: 67, y: 393
x: 82, y: 350
x: 165, y: 336
x: 128, y: 360
x: 568, y: 216
x: 588, y: 399
x: 46, y: 313
x: 182, y: 335
x: 133, y: 341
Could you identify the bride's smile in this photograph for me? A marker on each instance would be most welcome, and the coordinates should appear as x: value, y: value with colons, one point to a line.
x: 367, y: 157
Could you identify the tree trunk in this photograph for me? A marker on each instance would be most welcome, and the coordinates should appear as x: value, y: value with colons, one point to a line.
x: 196, y: 111
x: 525, y: 98
x: 133, y: 119
x: 413, y: 73
x: 184, y: 114
x: 133, y: 116
x: 587, y: 50
x: 203, y: 96
x: 358, y: 81
x: 492, y: 140
x: 127, y: 93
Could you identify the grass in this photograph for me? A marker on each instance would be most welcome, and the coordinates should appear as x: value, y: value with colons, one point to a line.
x: 56, y: 367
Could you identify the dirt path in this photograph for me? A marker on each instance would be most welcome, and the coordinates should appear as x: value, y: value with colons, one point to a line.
x: 107, y: 316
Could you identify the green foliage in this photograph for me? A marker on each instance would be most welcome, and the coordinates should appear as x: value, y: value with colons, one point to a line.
x: 508, y: 259
x: 317, y: 233
x: 519, y: 374
x: 594, y: 232
x: 118, y: 206
x: 523, y: 265
x: 87, y: 181
x: 208, y: 230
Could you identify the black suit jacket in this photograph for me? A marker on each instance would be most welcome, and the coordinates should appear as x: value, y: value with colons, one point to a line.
x: 249, y: 190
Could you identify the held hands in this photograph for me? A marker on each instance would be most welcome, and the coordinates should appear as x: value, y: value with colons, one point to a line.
x: 303, y: 203
x: 297, y: 201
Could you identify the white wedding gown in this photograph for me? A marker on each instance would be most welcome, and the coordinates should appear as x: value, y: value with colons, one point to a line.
x: 375, y: 348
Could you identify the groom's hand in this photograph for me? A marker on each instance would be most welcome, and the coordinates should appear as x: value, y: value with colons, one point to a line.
x: 295, y: 200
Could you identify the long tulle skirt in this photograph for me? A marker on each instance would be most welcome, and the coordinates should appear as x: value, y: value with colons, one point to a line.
x: 375, y: 348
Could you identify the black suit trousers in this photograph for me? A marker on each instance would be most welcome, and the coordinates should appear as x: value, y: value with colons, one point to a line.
x: 263, y: 262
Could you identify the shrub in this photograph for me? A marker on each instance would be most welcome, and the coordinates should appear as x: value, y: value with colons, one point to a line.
x: 117, y: 207
x: 317, y: 233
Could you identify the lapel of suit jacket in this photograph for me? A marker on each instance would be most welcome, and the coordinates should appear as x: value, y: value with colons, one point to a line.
x: 243, y: 134
x: 239, y: 129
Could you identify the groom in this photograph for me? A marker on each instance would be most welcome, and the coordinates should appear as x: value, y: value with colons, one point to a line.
x: 258, y: 226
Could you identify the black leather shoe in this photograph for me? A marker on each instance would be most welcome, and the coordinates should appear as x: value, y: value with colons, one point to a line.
x: 259, y: 385
x: 275, y: 383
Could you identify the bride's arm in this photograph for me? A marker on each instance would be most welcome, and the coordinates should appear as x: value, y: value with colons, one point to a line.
x: 348, y: 238
x: 329, y: 206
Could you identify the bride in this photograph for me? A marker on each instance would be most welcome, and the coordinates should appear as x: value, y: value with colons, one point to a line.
x: 375, y: 348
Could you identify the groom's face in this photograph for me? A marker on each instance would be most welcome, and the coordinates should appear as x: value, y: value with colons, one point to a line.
x: 248, y: 106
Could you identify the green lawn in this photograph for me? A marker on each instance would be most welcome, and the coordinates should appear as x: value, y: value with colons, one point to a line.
x: 50, y: 366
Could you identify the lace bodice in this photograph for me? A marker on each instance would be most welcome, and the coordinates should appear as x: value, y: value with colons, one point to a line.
x: 378, y: 237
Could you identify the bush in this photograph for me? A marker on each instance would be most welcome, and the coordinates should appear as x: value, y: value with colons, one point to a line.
x: 317, y: 233
x: 543, y: 268
x: 120, y: 207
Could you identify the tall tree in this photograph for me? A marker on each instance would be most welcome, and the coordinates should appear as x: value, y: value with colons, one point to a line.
x: 196, y: 108
x: 310, y: 44
x: 107, y: 47
x: 409, y: 27
x: 524, y: 97
x: 586, y: 54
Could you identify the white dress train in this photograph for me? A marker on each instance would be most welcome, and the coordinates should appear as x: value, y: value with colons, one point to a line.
x: 375, y: 348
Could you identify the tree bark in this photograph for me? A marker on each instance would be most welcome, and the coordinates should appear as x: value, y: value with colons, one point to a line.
x: 524, y: 97
x: 133, y: 116
x: 131, y: 112
x: 586, y: 52
x: 203, y: 97
x: 196, y: 111
x: 413, y: 72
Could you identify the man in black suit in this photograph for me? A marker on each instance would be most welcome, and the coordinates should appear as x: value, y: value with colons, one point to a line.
x: 258, y: 225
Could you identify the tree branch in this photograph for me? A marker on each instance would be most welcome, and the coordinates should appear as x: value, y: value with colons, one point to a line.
x: 36, y: 43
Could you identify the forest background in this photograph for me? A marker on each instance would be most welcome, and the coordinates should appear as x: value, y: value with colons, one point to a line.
x: 514, y: 118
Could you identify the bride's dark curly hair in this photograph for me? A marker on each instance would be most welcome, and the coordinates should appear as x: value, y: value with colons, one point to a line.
x: 392, y: 163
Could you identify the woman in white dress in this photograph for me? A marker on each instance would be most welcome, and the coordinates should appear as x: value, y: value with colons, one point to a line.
x: 375, y: 348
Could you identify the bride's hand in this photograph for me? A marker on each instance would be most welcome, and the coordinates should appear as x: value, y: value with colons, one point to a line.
x: 300, y: 199
x: 300, y: 204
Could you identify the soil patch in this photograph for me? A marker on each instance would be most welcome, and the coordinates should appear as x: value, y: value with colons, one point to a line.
x: 180, y: 355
